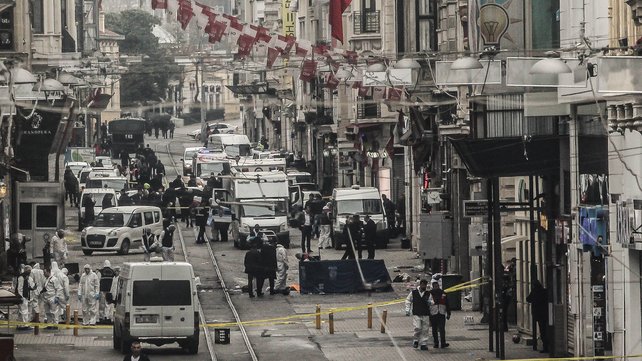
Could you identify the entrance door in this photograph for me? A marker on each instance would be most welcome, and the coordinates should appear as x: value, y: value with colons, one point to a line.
x: 38, y: 221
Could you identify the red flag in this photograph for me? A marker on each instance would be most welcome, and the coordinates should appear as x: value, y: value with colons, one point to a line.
x: 303, y: 47
x: 394, y: 94
x: 364, y: 91
x: 308, y: 70
x: 351, y: 56
x: 262, y: 35
x: 245, y: 42
x: 290, y: 40
x: 321, y: 49
x: 331, y: 81
x: 185, y: 13
x: 159, y: 4
x: 337, y: 7
x: 216, y: 30
x: 272, y: 54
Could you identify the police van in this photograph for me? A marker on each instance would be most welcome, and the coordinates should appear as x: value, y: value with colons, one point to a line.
x: 156, y: 302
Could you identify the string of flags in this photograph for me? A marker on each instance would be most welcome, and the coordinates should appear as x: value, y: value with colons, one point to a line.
x: 256, y: 40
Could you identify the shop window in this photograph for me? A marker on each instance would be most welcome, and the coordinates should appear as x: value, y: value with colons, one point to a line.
x: 25, y: 215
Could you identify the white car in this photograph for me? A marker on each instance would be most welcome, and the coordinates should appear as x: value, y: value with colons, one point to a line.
x: 99, y: 195
x: 223, y: 128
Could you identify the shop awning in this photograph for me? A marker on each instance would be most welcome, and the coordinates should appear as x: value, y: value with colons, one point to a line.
x: 507, y: 157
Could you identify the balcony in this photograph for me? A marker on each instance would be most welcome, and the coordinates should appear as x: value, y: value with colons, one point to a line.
x: 366, y: 22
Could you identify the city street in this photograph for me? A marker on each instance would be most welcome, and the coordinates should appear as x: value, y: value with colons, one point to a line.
x: 352, y: 339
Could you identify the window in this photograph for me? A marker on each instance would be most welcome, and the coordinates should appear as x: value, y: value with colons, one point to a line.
x: 156, y: 216
x: 162, y: 293
x: 368, y: 5
x: 149, y: 218
x: 25, y: 215
x: 46, y: 216
x: 426, y: 30
x: 135, y: 221
x: 37, y: 17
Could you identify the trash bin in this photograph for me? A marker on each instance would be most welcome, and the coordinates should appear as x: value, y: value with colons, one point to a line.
x: 222, y: 336
x: 453, y: 298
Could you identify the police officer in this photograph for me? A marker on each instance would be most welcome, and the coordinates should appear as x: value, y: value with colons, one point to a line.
x: 106, y: 277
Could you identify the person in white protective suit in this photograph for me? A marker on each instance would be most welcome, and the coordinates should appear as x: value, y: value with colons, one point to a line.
x: 52, y: 297
x: 88, y: 295
x: 38, y: 276
x: 59, y: 247
x: 113, y: 291
x: 66, y: 290
x: 418, y: 304
x: 26, y: 289
x: 57, y: 273
x: 281, y: 268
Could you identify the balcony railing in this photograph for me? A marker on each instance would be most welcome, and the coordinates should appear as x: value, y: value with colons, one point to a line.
x: 366, y: 22
x: 366, y: 110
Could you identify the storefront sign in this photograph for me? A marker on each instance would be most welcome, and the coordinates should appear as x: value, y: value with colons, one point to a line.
x: 376, y: 155
x: 476, y: 208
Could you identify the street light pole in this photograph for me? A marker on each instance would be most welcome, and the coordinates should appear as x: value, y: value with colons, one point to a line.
x: 203, y: 114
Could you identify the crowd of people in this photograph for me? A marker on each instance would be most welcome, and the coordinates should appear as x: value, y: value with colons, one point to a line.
x: 266, y: 259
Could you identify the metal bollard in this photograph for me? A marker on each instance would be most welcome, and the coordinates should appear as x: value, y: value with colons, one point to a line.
x: 331, y: 321
x: 318, y: 317
x: 67, y: 314
x: 36, y: 320
x: 76, y: 322
x: 369, y: 315
x: 384, y: 317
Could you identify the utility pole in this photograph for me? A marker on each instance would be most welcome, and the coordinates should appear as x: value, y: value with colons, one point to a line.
x: 203, y: 114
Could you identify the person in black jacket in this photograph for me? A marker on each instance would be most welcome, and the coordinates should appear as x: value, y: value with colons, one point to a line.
x: 252, y: 268
x: 268, y: 263
x: 352, y: 232
x: 418, y: 304
x: 201, y: 222
x: 370, y: 236
x: 89, y: 203
x: 136, y: 353
x: 439, y: 313
x: 538, y: 298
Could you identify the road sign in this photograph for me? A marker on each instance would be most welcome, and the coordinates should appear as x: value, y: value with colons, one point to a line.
x: 476, y: 208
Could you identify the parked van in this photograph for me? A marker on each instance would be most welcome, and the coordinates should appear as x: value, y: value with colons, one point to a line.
x: 231, y: 144
x: 347, y: 202
x: 118, y: 228
x: 296, y: 177
x: 156, y: 302
x: 188, y: 154
x: 85, y: 173
x: 116, y: 183
x: 99, y: 195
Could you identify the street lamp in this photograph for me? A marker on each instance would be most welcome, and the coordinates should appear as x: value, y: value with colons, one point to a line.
x: 550, y: 66
x: 466, y: 63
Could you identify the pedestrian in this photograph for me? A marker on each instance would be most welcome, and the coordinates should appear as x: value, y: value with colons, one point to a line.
x: 106, y: 278
x: 114, y: 286
x: 220, y: 226
x: 172, y: 126
x: 417, y: 304
x: 370, y: 236
x: 167, y: 243
x: 305, y: 225
x: 57, y: 273
x: 124, y: 158
x: 390, y: 209
x: 325, y: 227
x: 65, y: 288
x: 25, y: 289
x: 46, y: 252
x: 88, y: 203
x: 439, y: 313
x: 52, y: 297
x: 150, y: 244
x: 136, y: 353
x: 160, y: 168
x: 88, y: 295
x: 352, y: 232
x: 124, y: 199
x: 70, y: 186
x: 192, y: 181
x: 269, y: 263
x: 538, y: 298
x: 38, y: 275
x: 201, y: 222
x: 59, y: 247
x: 108, y: 201
x: 281, y: 268
x: 252, y: 268
x: 177, y: 182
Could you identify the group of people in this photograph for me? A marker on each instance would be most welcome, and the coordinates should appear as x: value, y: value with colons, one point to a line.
x: 162, y: 243
x: 43, y: 290
x: 266, y: 259
x: 95, y: 293
x: 315, y: 222
x: 429, y: 309
x: 359, y: 235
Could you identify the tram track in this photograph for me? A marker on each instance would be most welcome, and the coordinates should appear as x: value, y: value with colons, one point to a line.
x: 212, y: 257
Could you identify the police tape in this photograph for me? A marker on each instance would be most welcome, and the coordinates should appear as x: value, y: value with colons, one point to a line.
x: 292, y: 319
x: 578, y: 358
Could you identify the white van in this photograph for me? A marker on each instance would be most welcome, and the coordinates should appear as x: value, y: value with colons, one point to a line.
x: 347, y: 202
x: 188, y: 154
x: 99, y: 195
x: 85, y: 173
x: 116, y: 183
x: 118, y: 228
x: 231, y: 144
x: 157, y: 303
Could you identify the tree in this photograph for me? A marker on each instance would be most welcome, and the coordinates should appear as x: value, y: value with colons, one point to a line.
x: 147, y: 81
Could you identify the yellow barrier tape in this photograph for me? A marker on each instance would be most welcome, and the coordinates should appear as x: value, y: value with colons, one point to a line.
x: 266, y: 321
x: 577, y: 358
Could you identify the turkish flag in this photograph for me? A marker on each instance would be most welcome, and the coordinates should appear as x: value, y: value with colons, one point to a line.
x: 331, y: 81
x: 394, y: 94
x: 185, y: 13
x: 272, y: 54
x: 216, y: 30
x: 290, y: 40
x: 245, y: 42
x: 308, y: 70
x: 335, y: 17
x: 303, y: 47
x: 364, y: 91
x: 159, y: 4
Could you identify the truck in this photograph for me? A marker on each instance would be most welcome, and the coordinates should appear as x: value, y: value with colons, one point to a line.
x: 356, y: 200
x: 206, y: 161
x: 259, y: 198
